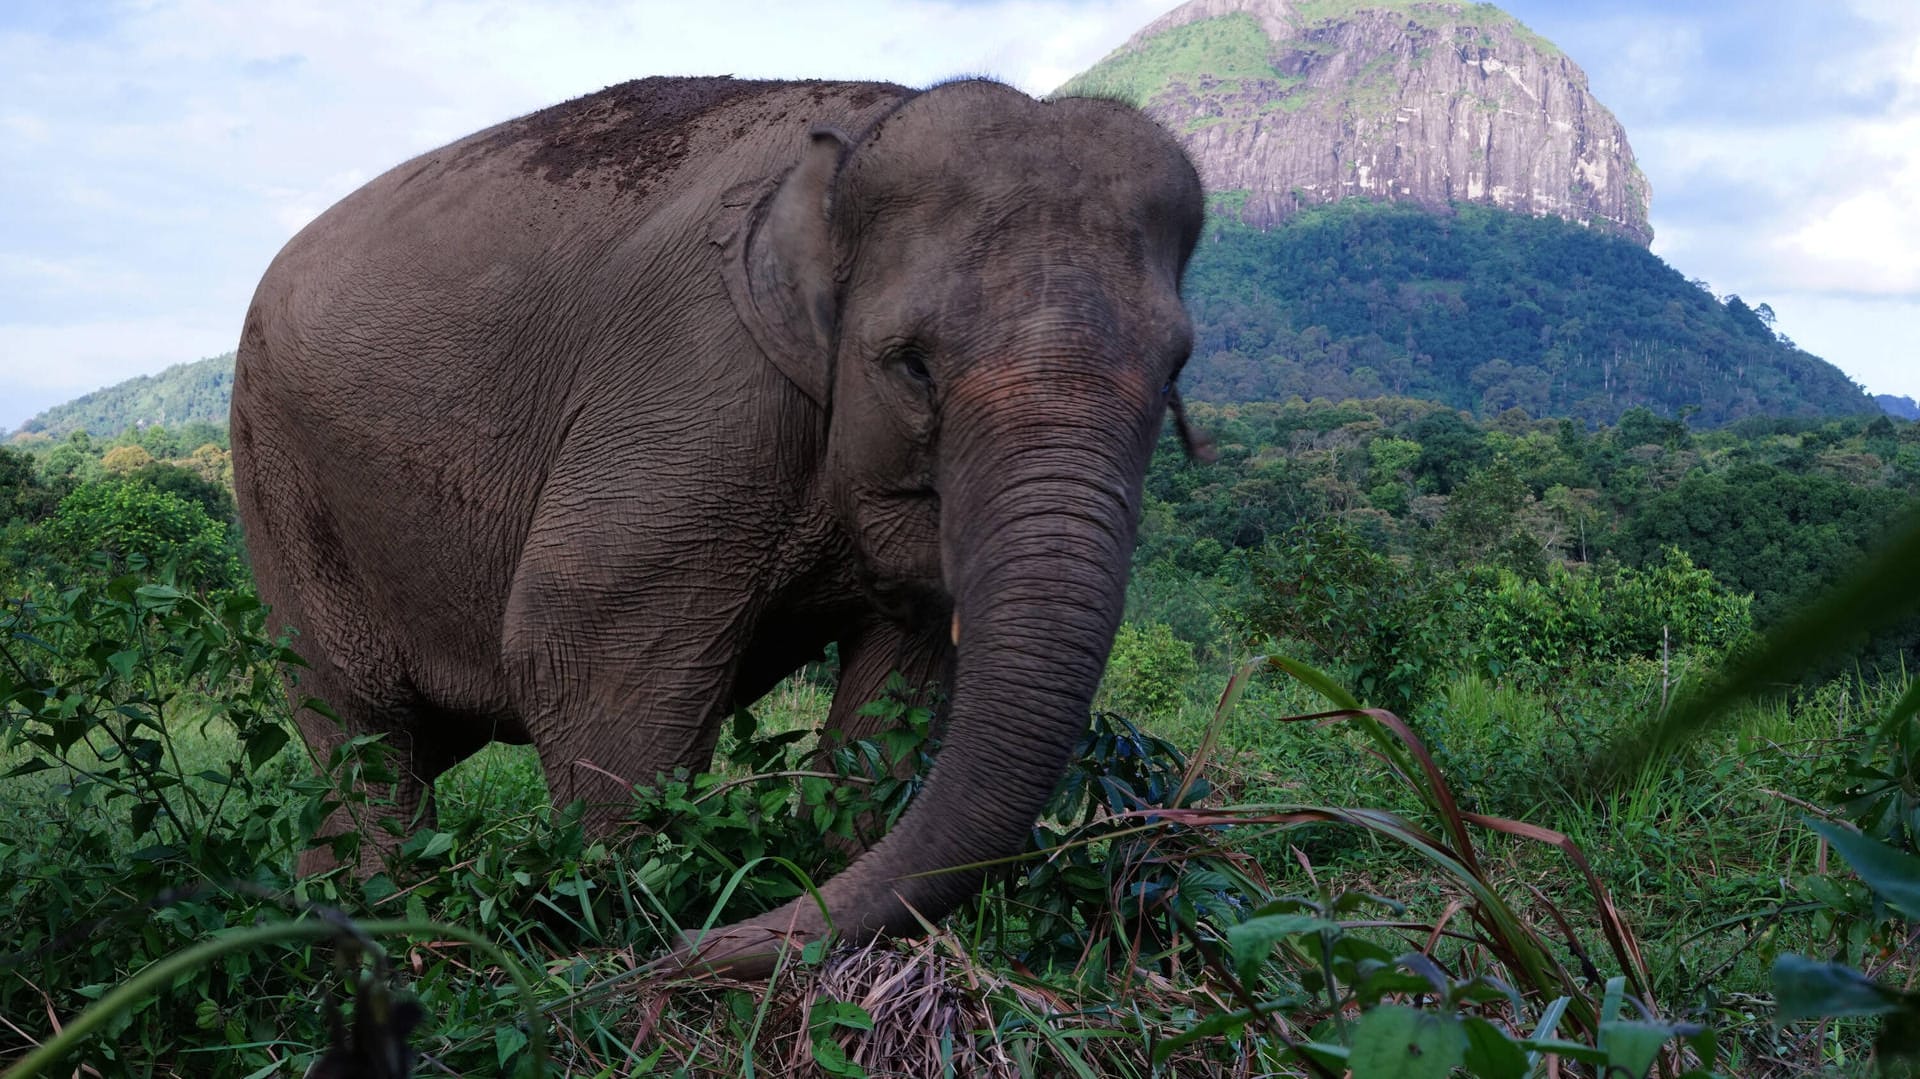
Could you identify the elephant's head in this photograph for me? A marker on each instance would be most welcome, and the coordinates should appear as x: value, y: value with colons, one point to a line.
x: 983, y: 291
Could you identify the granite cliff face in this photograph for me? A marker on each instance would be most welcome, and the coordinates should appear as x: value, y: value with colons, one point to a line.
x: 1291, y: 103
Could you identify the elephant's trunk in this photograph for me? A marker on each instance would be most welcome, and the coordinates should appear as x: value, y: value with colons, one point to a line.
x: 1037, y: 533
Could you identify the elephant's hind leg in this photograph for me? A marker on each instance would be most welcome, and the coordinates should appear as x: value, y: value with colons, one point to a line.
x: 382, y: 795
x: 355, y: 672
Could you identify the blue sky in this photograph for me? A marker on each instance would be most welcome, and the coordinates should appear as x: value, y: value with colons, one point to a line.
x: 154, y: 154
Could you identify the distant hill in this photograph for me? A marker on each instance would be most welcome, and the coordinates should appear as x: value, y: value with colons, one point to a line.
x: 1905, y: 408
x: 185, y: 393
x: 1484, y: 310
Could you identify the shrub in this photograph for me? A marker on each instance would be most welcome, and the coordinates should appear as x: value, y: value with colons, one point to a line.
x: 133, y: 524
x: 1148, y: 671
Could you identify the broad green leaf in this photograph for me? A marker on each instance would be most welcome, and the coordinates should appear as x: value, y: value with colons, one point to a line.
x: 1252, y: 941
x: 1893, y: 874
x: 264, y: 743
x: 507, y: 1041
x: 838, y: 1013
x: 1805, y: 989
x: 833, y: 1060
x: 28, y: 767
x: 1394, y: 1042
x: 1632, y: 1045
x: 123, y: 663
x: 159, y: 594
x: 1490, y: 1053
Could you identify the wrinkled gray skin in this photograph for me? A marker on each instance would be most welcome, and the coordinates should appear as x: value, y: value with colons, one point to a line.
x: 590, y: 427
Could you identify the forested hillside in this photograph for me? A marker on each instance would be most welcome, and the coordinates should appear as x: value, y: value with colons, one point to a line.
x: 196, y: 392
x: 1486, y: 310
x: 1432, y: 503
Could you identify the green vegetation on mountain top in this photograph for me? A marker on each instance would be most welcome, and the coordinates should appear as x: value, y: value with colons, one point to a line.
x: 1230, y: 47
x: 1432, y: 14
x: 1235, y: 46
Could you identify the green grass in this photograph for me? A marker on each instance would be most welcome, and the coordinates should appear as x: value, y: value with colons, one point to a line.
x: 1228, y: 48
x: 1703, y: 856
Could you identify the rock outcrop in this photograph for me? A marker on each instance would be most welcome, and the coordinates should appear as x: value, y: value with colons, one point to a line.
x: 1289, y: 103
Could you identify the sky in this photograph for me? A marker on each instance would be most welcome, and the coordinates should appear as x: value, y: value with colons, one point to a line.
x: 155, y: 154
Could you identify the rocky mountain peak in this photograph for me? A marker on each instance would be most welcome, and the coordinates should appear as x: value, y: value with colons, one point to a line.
x: 1290, y: 103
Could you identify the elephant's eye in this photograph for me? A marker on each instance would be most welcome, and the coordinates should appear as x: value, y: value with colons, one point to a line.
x: 911, y: 356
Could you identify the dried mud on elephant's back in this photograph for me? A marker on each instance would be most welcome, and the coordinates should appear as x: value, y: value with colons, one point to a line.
x: 630, y: 134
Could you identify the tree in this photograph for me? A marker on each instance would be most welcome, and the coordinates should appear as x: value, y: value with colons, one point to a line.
x: 189, y: 485
x: 125, y: 519
x: 121, y: 460
x: 23, y: 497
x: 1483, y: 523
x: 1353, y: 607
x: 1147, y: 671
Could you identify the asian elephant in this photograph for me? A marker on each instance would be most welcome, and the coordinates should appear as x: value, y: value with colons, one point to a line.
x: 593, y: 425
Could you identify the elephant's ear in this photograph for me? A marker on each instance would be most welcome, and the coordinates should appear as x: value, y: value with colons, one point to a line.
x: 781, y: 266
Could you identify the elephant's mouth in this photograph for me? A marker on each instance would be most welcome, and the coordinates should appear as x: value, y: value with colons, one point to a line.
x: 897, y: 530
x: 915, y: 602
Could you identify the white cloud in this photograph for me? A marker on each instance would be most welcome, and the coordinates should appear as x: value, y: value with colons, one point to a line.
x: 1869, y: 240
x: 1659, y: 57
x: 1826, y: 205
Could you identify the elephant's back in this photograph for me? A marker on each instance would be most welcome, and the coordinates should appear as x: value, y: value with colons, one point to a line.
x: 614, y: 157
x: 502, y: 221
x: 518, y: 237
x: 631, y: 139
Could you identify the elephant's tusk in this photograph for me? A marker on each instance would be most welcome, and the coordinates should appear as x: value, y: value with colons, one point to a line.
x: 956, y: 629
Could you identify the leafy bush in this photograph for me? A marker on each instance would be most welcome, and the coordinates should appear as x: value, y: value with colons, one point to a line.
x: 1386, y: 622
x: 147, y: 805
x: 1148, y: 671
x: 1574, y: 617
x: 134, y: 525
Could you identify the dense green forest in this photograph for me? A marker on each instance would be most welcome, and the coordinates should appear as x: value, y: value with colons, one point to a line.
x: 1485, y: 310
x: 1523, y: 593
x: 1772, y: 508
x: 184, y: 394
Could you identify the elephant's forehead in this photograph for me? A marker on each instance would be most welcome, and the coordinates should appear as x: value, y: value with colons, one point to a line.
x: 988, y: 138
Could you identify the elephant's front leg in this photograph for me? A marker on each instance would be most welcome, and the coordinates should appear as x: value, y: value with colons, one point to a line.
x: 620, y: 682
x: 924, y: 660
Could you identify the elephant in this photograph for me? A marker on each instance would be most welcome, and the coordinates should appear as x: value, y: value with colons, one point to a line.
x: 590, y: 427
